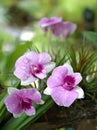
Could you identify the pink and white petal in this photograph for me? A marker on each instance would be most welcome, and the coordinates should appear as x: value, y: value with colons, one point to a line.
x: 30, y: 111
x: 32, y: 94
x: 55, y: 81
x: 36, y: 97
x: 70, y: 97
x: 44, y: 58
x: 17, y: 115
x: 80, y: 92
x: 77, y: 77
x: 57, y: 77
x: 47, y: 91
x: 58, y: 95
x: 40, y: 75
x: 28, y: 81
x: 69, y: 67
x: 48, y: 67
x: 45, y: 22
x: 42, y: 22
x: 21, y: 73
x: 33, y: 57
x: 64, y: 97
x: 12, y: 103
x: 21, y: 61
x: 59, y: 73
x: 12, y: 90
x: 71, y: 26
x: 57, y: 29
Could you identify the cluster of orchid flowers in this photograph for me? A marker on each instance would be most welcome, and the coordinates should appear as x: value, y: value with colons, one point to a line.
x: 62, y: 85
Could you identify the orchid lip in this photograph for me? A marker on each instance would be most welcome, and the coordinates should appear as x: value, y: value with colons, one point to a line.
x: 34, y: 69
x: 69, y: 82
x: 26, y: 103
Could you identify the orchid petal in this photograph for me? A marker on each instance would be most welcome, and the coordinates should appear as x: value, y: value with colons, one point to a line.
x: 28, y: 81
x: 40, y: 75
x: 48, y: 67
x: 12, y: 90
x: 33, y: 57
x: 17, y: 115
x: 30, y: 111
x: 47, y: 91
x: 80, y: 92
x: 44, y: 58
x: 69, y: 67
x: 45, y: 22
x: 63, y: 97
x: 77, y: 77
x: 13, y: 104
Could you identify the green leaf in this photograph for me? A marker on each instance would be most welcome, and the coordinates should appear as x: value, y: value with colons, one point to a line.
x: 3, y: 110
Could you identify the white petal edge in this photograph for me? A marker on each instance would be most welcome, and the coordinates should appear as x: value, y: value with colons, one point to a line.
x: 11, y: 90
x: 17, y: 115
x: 47, y: 91
x: 80, y: 92
x: 69, y: 67
x: 49, y: 67
x: 30, y: 80
x: 41, y: 75
x: 42, y: 102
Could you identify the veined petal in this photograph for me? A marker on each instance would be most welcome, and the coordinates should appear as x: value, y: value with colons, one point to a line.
x: 69, y: 67
x: 57, y: 77
x: 64, y: 97
x: 40, y: 75
x: 47, y: 91
x: 77, y: 77
x: 48, y: 67
x: 12, y: 103
x: 12, y: 90
x: 55, y: 81
x: 33, y: 57
x: 30, y: 111
x: 60, y: 72
x: 32, y: 94
x: 80, y: 92
x: 21, y: 61
x: 70, y: 97
x: 28, y: 81
x: 44, y: 58
x: 58, y: 95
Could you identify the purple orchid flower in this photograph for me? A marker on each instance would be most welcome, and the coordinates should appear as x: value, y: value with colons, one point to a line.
x: 45, y: 23
x: 32, y: 66
x: 57, y: 26
x: 20, y: 101
x: 63, y: 85
x: 63, y: 29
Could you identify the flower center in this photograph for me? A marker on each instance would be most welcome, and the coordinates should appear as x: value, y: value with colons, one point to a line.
x: 69, y: 82
x: 26, y: 103
x: 36, y: 69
